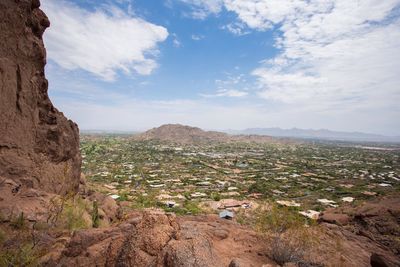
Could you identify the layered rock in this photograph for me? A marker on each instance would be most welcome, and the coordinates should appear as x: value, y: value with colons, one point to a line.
x: 39, y: 147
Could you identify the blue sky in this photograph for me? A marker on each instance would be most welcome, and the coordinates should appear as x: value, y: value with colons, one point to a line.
x: 226, y: 64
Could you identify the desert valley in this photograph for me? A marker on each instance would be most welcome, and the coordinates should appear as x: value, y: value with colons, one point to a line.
x: 178, y: 195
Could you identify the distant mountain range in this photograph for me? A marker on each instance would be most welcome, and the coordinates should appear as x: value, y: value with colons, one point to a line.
x: 322, y: 134
x: 178, y: 133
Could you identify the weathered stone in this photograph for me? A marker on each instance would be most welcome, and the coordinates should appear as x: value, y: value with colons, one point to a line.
x: 39, y: 147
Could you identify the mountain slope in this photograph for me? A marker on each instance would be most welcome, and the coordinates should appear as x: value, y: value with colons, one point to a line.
x: 182, y: 134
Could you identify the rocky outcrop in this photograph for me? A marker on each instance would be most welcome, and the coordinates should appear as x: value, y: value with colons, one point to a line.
x: 39, y: 147
x: 368, y: 233
x: 157, y: 239
x: 150, y: 239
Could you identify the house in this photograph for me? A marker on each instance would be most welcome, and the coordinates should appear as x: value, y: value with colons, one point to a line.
x: 198, y: 194
x: 288, y: 203
x: 228, y: 204
x: 226, y: 214
x: 312, y: 214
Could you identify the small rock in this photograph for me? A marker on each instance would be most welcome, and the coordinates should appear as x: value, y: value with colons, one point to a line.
x: 235, y: 263
x: 378, y: 261
x: 221, y: 233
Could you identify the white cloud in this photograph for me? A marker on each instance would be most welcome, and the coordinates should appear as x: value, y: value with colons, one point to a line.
x: 176, y: 41
x: 233, y: 86
x: 196, y: 37
x: 226, y: 92
x: 261, y: 14
x: 236, y: 28
x: 101, y: 42
x: 94, y: 106
x: 337, y: 53
x: 333, y: 52
x: 200, y: 9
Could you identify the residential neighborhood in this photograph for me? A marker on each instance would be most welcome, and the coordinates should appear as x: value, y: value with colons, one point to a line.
x: 215, y: 177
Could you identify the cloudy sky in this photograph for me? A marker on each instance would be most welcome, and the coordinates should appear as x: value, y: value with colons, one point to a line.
x: 226, y: 64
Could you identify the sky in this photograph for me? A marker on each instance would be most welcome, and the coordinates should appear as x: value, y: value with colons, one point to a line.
x: 130, y: 65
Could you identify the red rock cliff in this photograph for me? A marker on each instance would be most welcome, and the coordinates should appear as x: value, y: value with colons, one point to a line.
x: 39, y: 147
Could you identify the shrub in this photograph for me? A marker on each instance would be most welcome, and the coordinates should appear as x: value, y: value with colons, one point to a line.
x: 241, y: 218
x: 95, y: 215
x: 283, y: 251
x: 24, y: 255
x: 215, y: 196
x: 188, y: 208
x: 192, y: 207
x: 148, y: 201
x: 289, y: 237
x: 279, y: 219
x: 72, y: 216
x: 18, y: 222
x: 2, y: 237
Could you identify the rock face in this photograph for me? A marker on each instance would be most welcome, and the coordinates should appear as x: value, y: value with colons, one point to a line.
x: 39, y: 147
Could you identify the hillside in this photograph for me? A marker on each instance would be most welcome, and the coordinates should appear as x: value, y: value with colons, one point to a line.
x: 183, y: 134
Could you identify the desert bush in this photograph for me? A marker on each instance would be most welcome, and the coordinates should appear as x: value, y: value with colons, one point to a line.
x: 72, y: 217
x: 278, y: 220
x: 148, y: 201
x: 2, y: 237
x: 282, y: 251
x: 192, y: 207
x: 18, y: 222
x: 289, y: 235
x: 95, y: 215
x: 24, y: 255
x: 68, y: 212
x: 215, y: 196
x: 188, y: 208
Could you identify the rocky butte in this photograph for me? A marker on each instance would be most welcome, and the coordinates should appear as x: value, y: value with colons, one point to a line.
x: 40, y: 182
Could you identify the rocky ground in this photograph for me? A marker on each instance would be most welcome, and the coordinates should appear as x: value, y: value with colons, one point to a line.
x: 367, y: 237
x: 152, y: 239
